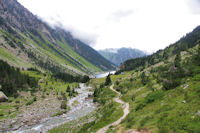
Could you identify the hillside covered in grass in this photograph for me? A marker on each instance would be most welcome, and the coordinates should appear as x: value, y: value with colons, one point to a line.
x: 26, y: 41
x: 185, y: 43
x: 163, y: 97
x: 33, y: 95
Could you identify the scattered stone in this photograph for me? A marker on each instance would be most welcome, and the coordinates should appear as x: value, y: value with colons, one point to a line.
x: 41, y: 81
x: 198, y: 113
x: 185, y: 86
x: 13, y: 121
x: 183, y: 101
x: 3, y: 97
x: 20, y: 115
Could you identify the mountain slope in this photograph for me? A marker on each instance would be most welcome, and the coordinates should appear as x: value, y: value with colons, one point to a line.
x: 42, y: 46
x: 117, y: 56
x: 163, y: 96
x: 186, y: 42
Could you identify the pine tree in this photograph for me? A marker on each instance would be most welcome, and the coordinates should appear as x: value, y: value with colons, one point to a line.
x: 177, y: 61
x: 68, y: 89
x: 144, y: 78
x: 108, y: 80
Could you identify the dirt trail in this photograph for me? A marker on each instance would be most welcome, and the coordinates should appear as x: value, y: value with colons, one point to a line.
x: 125, y: 110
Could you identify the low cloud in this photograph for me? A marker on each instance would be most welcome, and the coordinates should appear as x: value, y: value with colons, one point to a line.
x: 56, y: 22
x: 194, y: 6
x: 118, y: 15
x: 87, y: 38
x: 144, y: 24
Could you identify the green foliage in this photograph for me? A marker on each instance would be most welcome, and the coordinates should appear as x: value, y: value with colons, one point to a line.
x: 102, y: 95
x: 108, y: 80
x: 177, y: 61
x: 31, y: 101
x: 60, y: 113
x: 153, y: 96
x: 189, y: 41
x: 70, y: 78
x: 178, y: 122
x: 171, y: 76
x: 12, y: 79
x: 144, y: 78
x: 63, y: 105
x: 64, y: 95
x: 110, y: 113
x: 197, y: 77
x: 68, y: 89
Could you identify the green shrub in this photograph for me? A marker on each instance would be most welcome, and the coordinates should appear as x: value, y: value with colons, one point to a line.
x: 153, y: 96
x: 133, y: 98
x: 10, y: 100
x: 17, y: 101
x: 60, y: 113
x: 197, y: 77
x: 63, y: 105
x: 17, y: 107
x: 143, y: 121
x: 117, y: 82
x: 140, y: 106
x: 29, y: 102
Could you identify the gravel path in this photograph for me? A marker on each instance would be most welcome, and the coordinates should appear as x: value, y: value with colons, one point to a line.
x: 125, y: 110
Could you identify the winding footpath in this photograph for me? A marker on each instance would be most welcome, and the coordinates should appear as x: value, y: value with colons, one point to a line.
x: 125, y: 110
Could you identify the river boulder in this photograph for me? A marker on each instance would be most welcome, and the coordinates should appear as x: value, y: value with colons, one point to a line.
x: 3, y: 97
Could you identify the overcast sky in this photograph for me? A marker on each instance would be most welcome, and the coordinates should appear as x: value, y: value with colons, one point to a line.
x: 144, y: 24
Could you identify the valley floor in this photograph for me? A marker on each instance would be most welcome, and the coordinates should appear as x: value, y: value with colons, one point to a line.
x: 125, y: 110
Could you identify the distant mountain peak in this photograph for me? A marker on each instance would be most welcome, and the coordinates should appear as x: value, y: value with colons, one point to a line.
x: 111, y: 50
x: 119, y: 55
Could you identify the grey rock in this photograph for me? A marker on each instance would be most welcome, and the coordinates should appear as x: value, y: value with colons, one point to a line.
x: 198, y: 113
x: 183, y: 101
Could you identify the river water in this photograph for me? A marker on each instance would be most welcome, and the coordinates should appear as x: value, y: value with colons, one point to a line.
x: 104, y: 74
x: 84, y: 107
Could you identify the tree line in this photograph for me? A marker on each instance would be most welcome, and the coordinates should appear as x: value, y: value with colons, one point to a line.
x: 12, y: 80
x: 189, y: 41
x: 71, y: 78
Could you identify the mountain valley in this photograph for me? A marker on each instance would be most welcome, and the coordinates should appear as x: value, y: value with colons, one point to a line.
x: 52, y: 82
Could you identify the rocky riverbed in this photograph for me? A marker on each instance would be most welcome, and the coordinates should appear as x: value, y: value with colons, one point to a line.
x: 39, y: 117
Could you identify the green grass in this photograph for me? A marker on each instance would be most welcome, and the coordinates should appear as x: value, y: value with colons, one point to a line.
x: 75, y: 103
x: 161, y: 111
x: 48, y: 86
x: 49, y: 83
x: 71, y: 52
x: 59, y: 56
x: 74, y: 125
x: 108, y: 112
x: 4, y: 110
x: 64, y: 56
x: 5, y: 55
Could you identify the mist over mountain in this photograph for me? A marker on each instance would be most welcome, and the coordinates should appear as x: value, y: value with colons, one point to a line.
x: 37, y: 44
x: 117, y: 56
x: 52, y: 81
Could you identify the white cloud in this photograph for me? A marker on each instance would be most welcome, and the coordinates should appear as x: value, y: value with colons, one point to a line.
x: 194, y: 6
x: 144, y: 24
